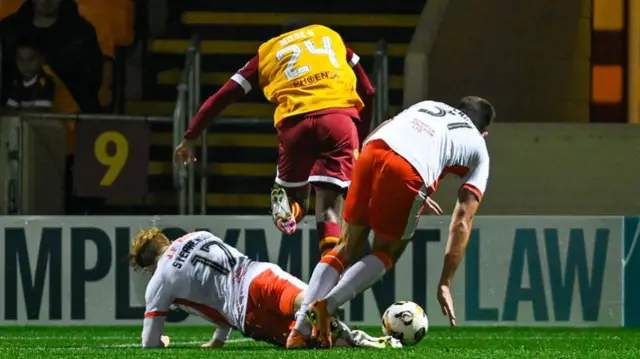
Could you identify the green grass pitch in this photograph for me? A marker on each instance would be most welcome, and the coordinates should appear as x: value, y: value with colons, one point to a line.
x: 494, y: 343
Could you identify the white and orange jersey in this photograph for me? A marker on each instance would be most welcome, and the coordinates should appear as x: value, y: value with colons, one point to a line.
x: 437, y: 139
x: 202, y: 275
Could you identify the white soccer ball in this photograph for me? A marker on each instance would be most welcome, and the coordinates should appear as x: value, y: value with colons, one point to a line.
x: 405, y: 321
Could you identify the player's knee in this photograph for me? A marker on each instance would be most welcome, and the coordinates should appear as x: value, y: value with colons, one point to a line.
x: 329, y: 204
x: 391, y: 249
x: 346, y: 250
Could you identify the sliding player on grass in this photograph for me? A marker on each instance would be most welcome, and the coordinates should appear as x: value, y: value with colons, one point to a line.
x: 400, y: 166
x: 320, y: 90
x: 202, y: 275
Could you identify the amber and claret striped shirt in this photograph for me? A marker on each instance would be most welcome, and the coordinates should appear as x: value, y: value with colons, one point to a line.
x: 34, y: 93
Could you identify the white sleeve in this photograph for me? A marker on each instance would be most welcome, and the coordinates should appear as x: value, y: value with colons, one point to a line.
x: 476, y: 180
x: 222, y: 333
x: 247, y: 76
x: 158, y: 297
x: 152, y: 332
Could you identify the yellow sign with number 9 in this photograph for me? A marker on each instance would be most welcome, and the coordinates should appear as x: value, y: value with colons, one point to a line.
x: 114, y: 161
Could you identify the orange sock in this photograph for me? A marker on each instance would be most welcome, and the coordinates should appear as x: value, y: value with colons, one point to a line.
x: 329, y: 234
x: 333, y: 259
x: 297, y: 211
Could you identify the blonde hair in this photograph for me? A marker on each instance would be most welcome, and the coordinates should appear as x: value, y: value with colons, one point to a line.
x: 147, y: 247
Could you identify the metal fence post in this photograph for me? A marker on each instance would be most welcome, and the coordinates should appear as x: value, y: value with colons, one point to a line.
x: 204, y: 158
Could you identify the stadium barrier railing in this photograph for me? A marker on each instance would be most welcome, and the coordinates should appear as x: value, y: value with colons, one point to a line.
x: 381, y: 83
x: 187, y: 104
x: 17, y: 152
x: 1, y: 66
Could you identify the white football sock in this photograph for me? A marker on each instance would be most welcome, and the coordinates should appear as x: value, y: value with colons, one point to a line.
x: 323, y: 279
x: 358, y: 278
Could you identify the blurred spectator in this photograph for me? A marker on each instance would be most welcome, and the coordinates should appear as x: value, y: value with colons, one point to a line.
x: 33, y: 89
x: 68, y: 41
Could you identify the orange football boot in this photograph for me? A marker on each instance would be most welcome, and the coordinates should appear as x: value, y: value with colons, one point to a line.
x: 321, y: 322
x: 297, y: 340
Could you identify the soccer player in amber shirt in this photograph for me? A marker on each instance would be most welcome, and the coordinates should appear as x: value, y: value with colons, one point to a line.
x: 400, y: 166
x: 321, y: 90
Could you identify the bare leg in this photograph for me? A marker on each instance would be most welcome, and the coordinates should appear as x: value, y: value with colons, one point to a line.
x: 329, y: 202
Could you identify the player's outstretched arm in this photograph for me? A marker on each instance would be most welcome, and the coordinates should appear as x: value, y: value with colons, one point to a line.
x: 220, y: 336
x: 237, y: 86
x: 459, y: 231
x: 365, y: 91
x: 158, y: 298
x: 152, y: 333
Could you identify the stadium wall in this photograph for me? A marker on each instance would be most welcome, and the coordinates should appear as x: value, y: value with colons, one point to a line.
x: 536, y: 169
x: 531, y: 59
x: 558, y: 169
x: 518, y: 271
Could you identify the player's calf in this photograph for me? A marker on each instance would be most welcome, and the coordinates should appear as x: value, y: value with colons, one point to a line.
x: 329, y: 203
x: 328, y: 235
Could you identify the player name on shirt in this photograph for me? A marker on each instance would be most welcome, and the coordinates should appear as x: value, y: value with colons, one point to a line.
x: 297, y: 36
x: 203, y: 256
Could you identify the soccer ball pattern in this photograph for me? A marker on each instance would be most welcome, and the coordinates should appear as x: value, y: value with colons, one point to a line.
x: 405, y: 321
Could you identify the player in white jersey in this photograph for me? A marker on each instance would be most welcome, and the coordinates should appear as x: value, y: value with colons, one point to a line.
x: 202, y: 275
x: 399, y: 167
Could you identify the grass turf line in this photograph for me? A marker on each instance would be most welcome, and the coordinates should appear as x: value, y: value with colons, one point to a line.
x: 489, y: 342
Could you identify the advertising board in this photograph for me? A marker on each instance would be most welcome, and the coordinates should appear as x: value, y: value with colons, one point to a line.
x: 524, y: 271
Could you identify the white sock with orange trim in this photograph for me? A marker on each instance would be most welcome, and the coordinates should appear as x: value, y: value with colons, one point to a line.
x: 358, y: 278
x: 325, y: 276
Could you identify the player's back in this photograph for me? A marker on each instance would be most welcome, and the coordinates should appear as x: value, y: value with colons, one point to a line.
x: 435, y: 139
x: 306, y: 70
x: 204, y: 272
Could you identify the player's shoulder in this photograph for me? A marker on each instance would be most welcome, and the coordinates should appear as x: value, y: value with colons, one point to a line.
x: 322, y: 28
x: 430, y: 103
x: 478, y: 146
x: 196, y: 236
x: 206, y: 235
x: 434, y: 109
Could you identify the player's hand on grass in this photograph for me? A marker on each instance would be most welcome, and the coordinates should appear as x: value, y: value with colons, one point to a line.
x: 446, y: 303
x: 184, y: 153
x: 213, y: 344
x: 432, y: 207
x: 165, y: 340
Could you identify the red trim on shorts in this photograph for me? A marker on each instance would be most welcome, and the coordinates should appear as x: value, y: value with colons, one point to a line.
x: 154, y: 314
